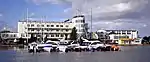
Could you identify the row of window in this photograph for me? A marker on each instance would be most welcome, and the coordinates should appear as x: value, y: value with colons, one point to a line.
x: 123, y: 33
x: 49, y: 35
x: 8, y: 35
x: 118, y: 37
x: 32, y: 25
x: 66, y: 30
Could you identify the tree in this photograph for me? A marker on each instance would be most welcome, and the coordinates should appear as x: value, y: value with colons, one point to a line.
x: 45, y: 39
x: 32, y: 39
x: 21, y: 41
x: 73, y: 35
x: 145, y: 39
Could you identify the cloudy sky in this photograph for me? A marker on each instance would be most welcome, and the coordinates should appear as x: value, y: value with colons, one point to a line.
x: 106, y: 14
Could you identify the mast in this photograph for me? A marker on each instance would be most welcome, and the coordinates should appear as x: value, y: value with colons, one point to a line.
x: 27, y: 24
x: 43, y: 18
x: 91, y: 24
x: 41, y: 28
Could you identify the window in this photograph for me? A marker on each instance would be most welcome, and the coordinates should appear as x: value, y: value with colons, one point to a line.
x: 7, y: 35
x: 123, y: 33
x: 42, y: 25
x: 62, y: 35
x: 57, y: 25
x: 67, y: 26
x: 14, y: 35
x: 38, y: 25
x: 48, y: 26
x: 137, y: 41
x: 96, y: 43
x: 57, y: 35
x: 11, y: 36
x: 28, y: 25
x: 61, y: 25
x: 32, y: 29
x: 3, y: 35
x: 52, y: 35
x: 52, y: 25
x: 66, y: 30
x: 115, y: 37
x: 57, y: 30
x: 82, y: 25
x: 32, y: 25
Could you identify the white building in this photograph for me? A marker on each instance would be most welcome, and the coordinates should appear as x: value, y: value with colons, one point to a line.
x: 118, y: 36
x: 54, y: 30
x: 10, y: 36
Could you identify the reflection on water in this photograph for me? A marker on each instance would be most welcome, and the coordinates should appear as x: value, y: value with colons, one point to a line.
x: 129, y: 54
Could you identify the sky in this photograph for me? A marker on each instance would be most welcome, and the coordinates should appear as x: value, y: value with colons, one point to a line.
x: 106, y: 14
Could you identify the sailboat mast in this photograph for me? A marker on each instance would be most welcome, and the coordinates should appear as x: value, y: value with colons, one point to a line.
x: 27, y: 24
x: 91, y: 24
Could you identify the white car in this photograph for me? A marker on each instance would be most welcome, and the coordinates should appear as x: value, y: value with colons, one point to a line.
x: 67, y: 46
x: 53, y: 47
x: 84, y: 46
x: 63, y: 47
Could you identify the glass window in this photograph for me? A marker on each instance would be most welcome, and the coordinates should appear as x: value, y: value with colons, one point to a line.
x: 32, y: 25
x: 57, y: 25
x: 28, y: 25
x: 48, y: 26
x: 32, y: 29
x: 52, y: 35
x: 52, y: 25
x: 61, y: 25
x: 38, y: 25
x: 57, y: 35
x: 123, y: 33
x: 51, y: 43
x: 3, y: 35
x: 11, y: 36
x: 96, y: 43
x: 66, y: 30
x: 115, y: 37
x: 62, y: 35
x: 7, y: 35
x: 67, y: 26
x: 57, y: 30
x: 85, y: 43
x: 42, y: 25
x: 14, y: 35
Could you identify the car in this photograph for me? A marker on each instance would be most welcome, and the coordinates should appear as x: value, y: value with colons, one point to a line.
x: 53, y: 47
x: 63, y: 47
x: 84, y: 46
x: 96, y: 46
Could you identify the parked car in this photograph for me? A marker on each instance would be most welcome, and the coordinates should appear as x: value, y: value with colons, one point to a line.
x: 53, y: 47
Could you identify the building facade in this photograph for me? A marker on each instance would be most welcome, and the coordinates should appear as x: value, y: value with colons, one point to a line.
x: 53, y: 30
x: 121, y: 36
x: 10, y: 36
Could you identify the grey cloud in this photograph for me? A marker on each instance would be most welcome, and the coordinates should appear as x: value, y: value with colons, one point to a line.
x: 116, y: 14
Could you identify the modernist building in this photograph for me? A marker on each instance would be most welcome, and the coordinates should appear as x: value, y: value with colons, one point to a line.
x: 53, y: 30
x: 121, y: 36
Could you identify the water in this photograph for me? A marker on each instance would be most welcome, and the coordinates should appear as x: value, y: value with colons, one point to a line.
x: 128, y: 54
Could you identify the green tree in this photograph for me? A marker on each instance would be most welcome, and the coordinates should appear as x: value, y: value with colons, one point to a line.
x: 45, y: 39
x: 32, y: 39
x: 73, y: 35
x: 145, y: 40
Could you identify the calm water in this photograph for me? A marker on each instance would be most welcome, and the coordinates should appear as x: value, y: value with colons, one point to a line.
x: 129, y: 54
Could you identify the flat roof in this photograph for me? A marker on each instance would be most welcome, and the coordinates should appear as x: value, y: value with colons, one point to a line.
x: 121, y: 30
x: 45, y: 21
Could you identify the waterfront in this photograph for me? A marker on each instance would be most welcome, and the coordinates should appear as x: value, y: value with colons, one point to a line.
x: 128, y: 54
